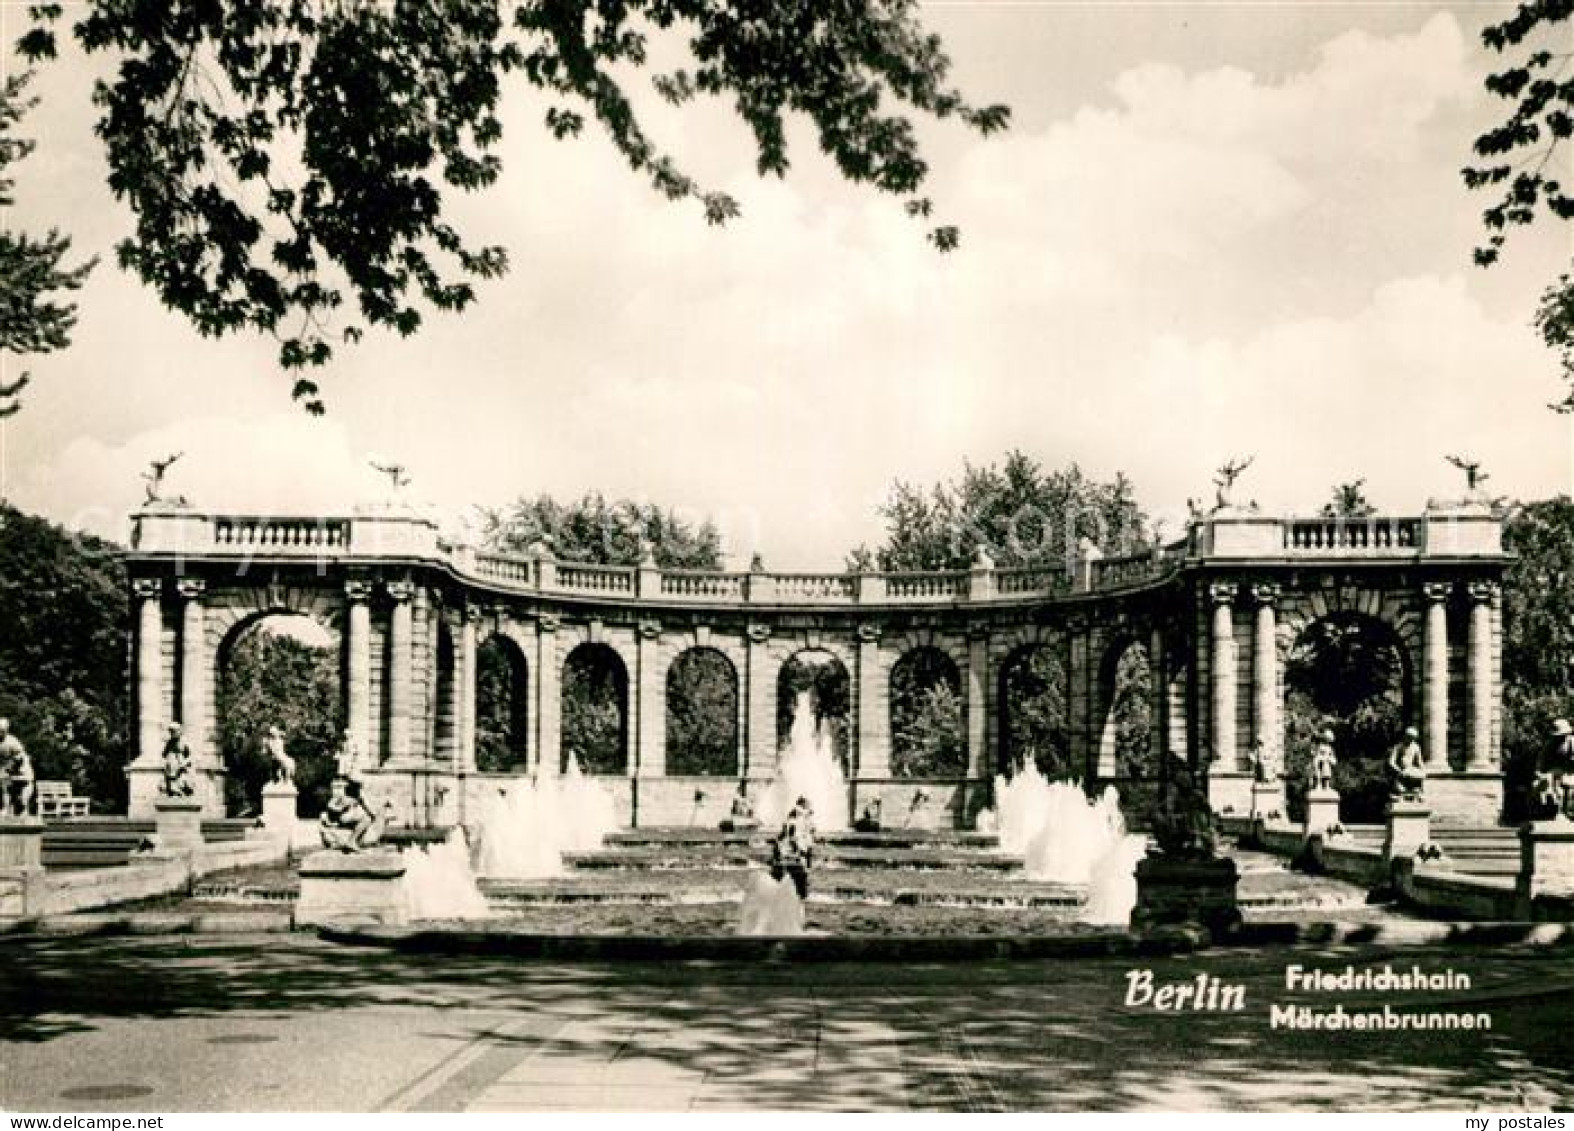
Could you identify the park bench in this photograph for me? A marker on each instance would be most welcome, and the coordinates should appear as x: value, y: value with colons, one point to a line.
x: 55, y: 800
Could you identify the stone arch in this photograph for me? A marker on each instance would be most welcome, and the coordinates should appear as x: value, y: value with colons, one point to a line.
x: 1033, y: 707
x: 444, y: 737
x: 300, y: 691
x: 1124, y: 707
x: 1348, y: 668
x: 502, y: 705
x: 595, y: 708
x: 702, y: 694
x: 927, y: 714
x: 825, y: 678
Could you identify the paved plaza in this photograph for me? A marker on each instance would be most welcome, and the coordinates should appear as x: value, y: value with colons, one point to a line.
x: 289, y: 1022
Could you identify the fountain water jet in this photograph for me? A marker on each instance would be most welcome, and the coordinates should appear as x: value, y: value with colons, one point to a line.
x: 439, y: 882
x: 806, y: 767
x: 770, y: 907
x: 1066, y: 838
x: 528, y: 825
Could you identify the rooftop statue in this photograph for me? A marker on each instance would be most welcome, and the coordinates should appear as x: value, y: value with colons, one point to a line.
x: 398, y: 476
x: 1474, y: 476
x: 153, y: 477
x: 1224, y: 483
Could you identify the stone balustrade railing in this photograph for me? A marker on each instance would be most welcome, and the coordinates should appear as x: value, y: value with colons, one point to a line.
x: 573, y: 577
x: 241, y: 533
x: 1131, y: 569
x: 1352, y: 535
x: 402, y: 535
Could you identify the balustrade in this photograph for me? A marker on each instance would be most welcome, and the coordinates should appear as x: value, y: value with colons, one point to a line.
x: 696, y: 585
x: 951, y: 585
x: 1352, y: 535
x: 282, y: 535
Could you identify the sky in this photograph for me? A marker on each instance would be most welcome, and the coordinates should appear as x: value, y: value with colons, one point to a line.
x: 1212, y: 231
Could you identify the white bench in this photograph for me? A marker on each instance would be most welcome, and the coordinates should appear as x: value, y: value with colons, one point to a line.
x: 55, y: 800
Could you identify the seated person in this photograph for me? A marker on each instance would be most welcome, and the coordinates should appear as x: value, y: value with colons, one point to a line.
x: 869, y: 820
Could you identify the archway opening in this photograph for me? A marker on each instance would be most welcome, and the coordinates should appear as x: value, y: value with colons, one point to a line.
x: 928, y: 729
x: 1126, y: 733
x: 702, y: 715
x: 281, y: 669
x: 816, y: 677
x: 502, y: 707
x: 595, y: 710
x: 1348, y: 673
x: 1033, y: 713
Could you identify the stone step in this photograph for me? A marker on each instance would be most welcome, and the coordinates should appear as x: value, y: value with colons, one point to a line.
x: 740, y: 856
x: 886, y: 838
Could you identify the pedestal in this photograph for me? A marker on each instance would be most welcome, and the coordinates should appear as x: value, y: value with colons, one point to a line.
x: 1322, y: 811
x: 177, y: 825
x: 352, y: 888
x: 145, y: 783
x: 1267, y: 801
x: 278, y: 811
x: 1465, y: 797
x: 1409, y: 829
x: 1181, y: 892
x: 1230, y: 792
x: 1546, y: 862
x: 21, y: 866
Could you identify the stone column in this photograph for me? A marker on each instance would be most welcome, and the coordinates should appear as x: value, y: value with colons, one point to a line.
x: 195, y: 688
x: 1226, y: 752
x: 399, y: 669
x: 874, y: 718
x: 978, y: 703
x: 1158, y: 699
x: 760, y: 693
x: 194, y: 668
x: 1479, y: 648
x: 149, y: 593
x: 1434, y: 688
x: 1267, y: 729
x: 358, y: 665
x: 464, y: 684
x: 549, y: 697
x: 1081, y: 750
x: 649, y: 757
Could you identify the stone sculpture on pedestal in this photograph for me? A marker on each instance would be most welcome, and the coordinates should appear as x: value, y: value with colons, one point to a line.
x: 18, y: 793
x: 348, y: 822
x: 177, y: 764
x: 1407, y: 768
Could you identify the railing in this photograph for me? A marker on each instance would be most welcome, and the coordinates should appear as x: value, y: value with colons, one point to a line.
x: 793, y: 587
x: 1030, y: 580
x: 1352, y: 535
x: 702, y: 585
x: 949, y: 586
x: 393, y: 534
x: 1131, y: 569
x: 573, y: 577
x: 237, y: 533
x: 502, y: 567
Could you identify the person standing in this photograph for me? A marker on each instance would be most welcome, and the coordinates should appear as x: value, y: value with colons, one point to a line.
x: 793, y: 850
